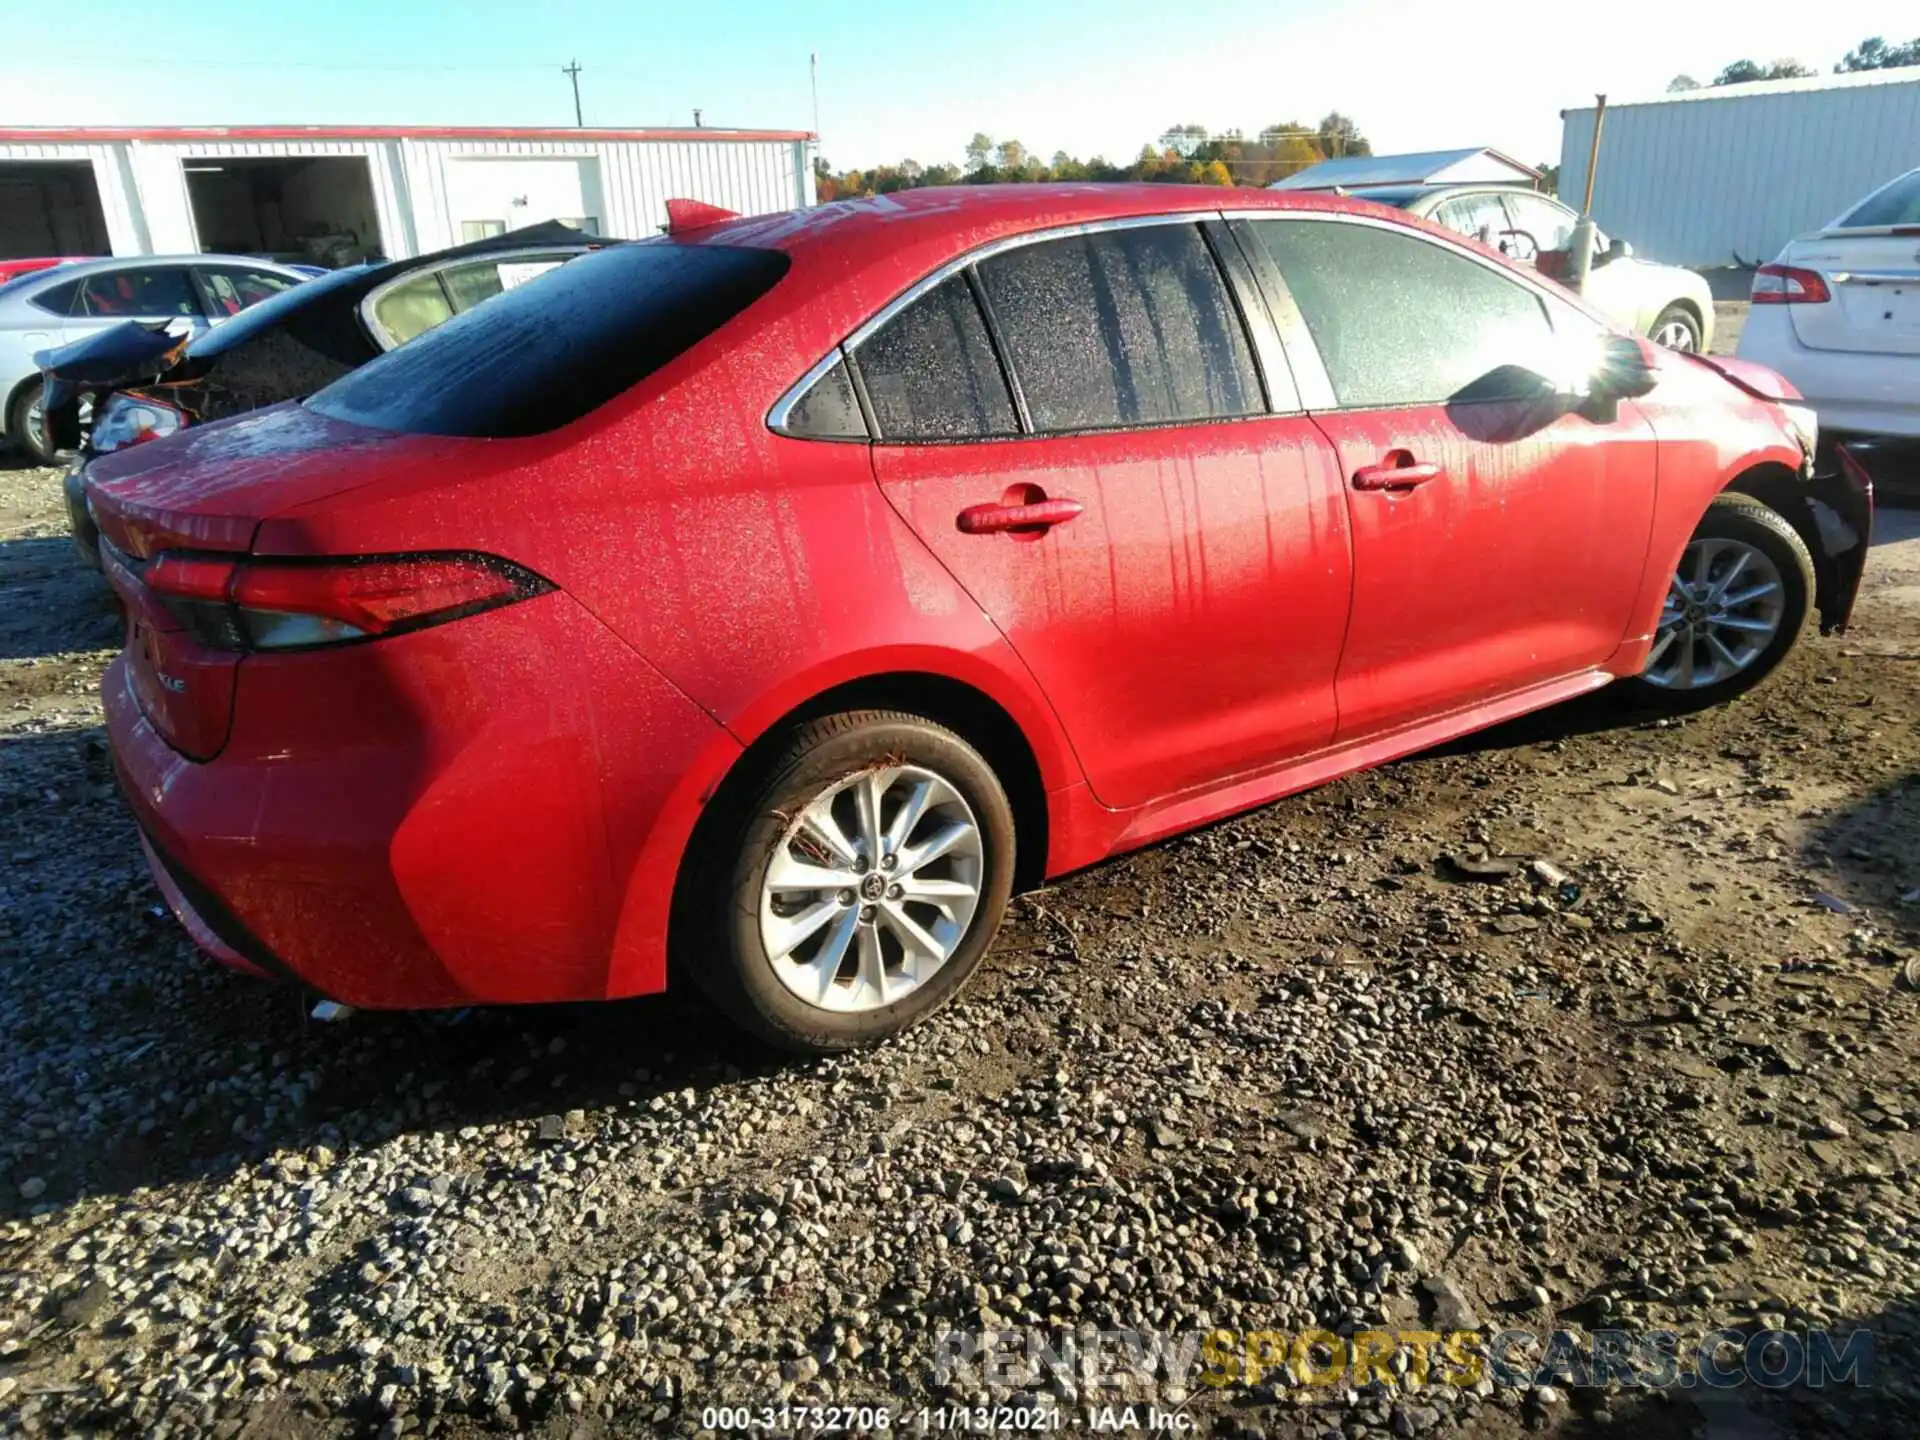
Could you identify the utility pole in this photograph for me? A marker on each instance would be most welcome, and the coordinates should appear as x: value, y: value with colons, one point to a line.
x: 572, y: 71
x: 813, y: 74
x: 1580, y: 260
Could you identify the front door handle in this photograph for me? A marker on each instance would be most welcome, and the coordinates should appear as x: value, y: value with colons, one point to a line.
x: 1400, y: 471
x: 1028, y: 519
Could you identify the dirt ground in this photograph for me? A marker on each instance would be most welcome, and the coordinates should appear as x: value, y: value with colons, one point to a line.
x: 1294, y: 1069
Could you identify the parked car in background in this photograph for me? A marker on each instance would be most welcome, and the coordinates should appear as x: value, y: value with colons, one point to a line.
x: 1838, y: 313
x: 1671, y: 306
x: 13, y: 269
x: 183, y: 294
x: 145, y: 383
x: 780, y: 592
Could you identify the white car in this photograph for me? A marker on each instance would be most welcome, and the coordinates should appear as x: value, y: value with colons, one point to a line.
x: 1670, y: 306
x: 46, y: 309
x: 1838, y: 314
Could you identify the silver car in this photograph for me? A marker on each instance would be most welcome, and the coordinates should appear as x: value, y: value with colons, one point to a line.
x: 1670, y: 306
x: 50, y: 308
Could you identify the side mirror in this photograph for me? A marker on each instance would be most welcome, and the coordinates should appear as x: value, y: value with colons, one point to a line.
x: 1628, y: 369
x: 1618, y: 249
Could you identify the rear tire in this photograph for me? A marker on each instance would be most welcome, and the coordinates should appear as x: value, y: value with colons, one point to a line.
x: 888, y: 930
x: 1678, y: 329
x: 1735, y: 608
x: 27, y: 427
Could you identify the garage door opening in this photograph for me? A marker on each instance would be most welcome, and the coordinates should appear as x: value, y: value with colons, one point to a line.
x: 302, y: 211
x: 50, y: 207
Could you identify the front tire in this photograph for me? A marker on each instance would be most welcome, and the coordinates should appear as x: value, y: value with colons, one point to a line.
x: 856, y: 890
x: 1735, y: 607
x: 27, y: 425
x: 1677, y: 329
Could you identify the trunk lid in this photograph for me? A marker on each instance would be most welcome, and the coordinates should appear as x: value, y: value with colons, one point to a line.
x: 207, y: 490
x: 1874, y: 278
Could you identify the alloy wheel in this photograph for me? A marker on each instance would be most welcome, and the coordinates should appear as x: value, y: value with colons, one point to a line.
x: 1675, y: 335
x: 1724, y: 607
x: 871, y: 888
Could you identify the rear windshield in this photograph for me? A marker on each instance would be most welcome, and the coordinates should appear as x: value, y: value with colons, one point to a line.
x: 549, y: 351
x: 1898, y: 204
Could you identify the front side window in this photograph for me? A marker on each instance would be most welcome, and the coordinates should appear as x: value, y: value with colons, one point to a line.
x: 234, y: 290
x: 138, y: 294
x: 1541, y: 227
x: 1400, y: 320
x: 1121, y: 327
x: 930, y: 372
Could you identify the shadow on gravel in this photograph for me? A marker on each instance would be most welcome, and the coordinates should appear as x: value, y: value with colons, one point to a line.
x: 1870, y: 850
x: 54, y: 603
x: 1879, y: 1401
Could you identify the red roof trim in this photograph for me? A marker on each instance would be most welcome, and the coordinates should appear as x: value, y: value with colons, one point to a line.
x: 221, y: 134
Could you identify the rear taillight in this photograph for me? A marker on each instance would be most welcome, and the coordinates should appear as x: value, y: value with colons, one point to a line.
x: 1789, y: 285
x: 127, y: 419
x: 247, y: 604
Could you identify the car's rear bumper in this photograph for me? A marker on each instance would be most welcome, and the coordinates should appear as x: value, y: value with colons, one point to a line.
x: 467, y: 814
x: 1854, y: 392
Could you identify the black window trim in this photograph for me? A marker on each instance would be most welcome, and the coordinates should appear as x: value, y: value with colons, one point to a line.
x: 1303, y: 355
x: 1263, y: 343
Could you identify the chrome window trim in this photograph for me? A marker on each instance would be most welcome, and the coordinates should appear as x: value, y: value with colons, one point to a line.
x: 783, y: 407
x: 369, y: 302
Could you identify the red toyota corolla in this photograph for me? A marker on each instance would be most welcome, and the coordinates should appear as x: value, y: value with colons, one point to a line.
x: 779, y: 594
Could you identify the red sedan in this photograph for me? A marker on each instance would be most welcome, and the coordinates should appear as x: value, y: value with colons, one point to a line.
x: 777, y: 595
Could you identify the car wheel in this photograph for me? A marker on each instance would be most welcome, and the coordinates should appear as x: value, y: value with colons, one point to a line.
x: 1735, y: 607
x: 858, y: 889
x: 1677, y: 330
x: 28, y: 425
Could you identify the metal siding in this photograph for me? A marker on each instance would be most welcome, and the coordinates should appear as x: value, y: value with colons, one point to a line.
x: 143, y: 189
x: 1700, y: 181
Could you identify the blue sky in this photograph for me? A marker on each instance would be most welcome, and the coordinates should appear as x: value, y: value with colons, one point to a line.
x: 907, y: 79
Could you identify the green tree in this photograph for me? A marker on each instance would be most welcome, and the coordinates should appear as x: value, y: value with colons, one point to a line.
x: 1011, y: 155
x: 1744, y: 72
x: 1340, y: 137
x: 978, y: 150
x: 1183, y: 140
x: 1549, y: 178
x: 1682, y: 82
x: 1874, y: 53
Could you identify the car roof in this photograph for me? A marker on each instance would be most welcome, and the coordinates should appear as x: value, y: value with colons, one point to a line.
x: 60, y: 274
x: 884, y: 241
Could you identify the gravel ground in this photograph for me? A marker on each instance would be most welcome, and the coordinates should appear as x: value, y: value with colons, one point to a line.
x: 1295, y: 1069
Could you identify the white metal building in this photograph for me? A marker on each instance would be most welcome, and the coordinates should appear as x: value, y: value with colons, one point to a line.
x: 342, y: 193
x: 1475, y: 166
x: 1729, y: 174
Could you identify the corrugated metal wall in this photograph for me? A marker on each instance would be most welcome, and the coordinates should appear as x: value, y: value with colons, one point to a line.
x: 143, y: 187
x: 1700, y: 178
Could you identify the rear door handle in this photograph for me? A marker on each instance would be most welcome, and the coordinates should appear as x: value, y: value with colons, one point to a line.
x: 1398, y: 472
x: 1033, y: 518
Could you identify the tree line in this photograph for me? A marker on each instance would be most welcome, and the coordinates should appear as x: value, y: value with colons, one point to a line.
x: 1873, y: 53
x: 1182, y: 154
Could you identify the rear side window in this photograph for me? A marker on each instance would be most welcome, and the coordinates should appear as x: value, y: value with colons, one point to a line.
x: 1399, y: 320
x: 829, y: 410
x: 548, y: 352
x: 412, y: 308
x: 56, y: 298
x: 1121, y: 327
x: 931, y: 374
x: 1898, y: 204
x: 138, y: 294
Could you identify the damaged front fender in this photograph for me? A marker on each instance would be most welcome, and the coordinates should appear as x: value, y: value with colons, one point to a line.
x: 136, y: 353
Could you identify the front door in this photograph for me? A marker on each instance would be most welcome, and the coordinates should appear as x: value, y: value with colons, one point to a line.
x: 1169, y: 559
x: 1498, y: 539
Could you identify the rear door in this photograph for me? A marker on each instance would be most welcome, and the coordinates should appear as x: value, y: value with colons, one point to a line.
x: 1181, y: 591
x: 1871, y: 263
x: 1498, y: 539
